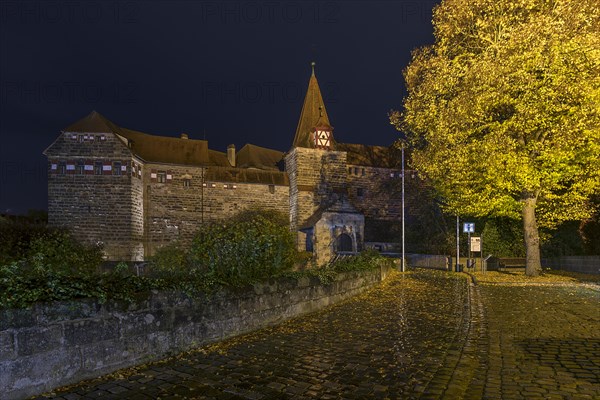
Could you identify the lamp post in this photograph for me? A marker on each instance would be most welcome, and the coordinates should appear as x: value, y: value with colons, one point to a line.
x: 403, y: 255
x: 457, y: 243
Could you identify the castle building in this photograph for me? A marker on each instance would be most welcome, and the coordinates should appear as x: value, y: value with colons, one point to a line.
x: 134, y: 192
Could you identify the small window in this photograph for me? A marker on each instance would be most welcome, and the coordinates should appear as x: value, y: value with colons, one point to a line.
x: 79, y: 167
x: 117, y: 168
x: 187, y: 183
x: 62, y: 168
x: 363, y: 172
x: 98, y: 168
x: 161, y: 177
x: 350, y: 170
x: 360, y: 192
x: 80, y: 138
x: 272, y: 189
x: 355, y: 170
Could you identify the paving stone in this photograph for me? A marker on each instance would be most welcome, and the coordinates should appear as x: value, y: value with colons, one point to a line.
x: 424, y: 334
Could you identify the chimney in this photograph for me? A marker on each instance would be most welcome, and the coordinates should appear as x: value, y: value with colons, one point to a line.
x: 184, y: 136
x: 231, y: 154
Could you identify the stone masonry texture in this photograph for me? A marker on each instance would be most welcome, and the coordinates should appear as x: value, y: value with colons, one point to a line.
x: 58, y: 343
x: 147, y: 204
x: 420, y: 335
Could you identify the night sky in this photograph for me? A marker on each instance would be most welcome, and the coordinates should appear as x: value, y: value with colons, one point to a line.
x: 229, y: 72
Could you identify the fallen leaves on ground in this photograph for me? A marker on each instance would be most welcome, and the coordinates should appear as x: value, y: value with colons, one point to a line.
x: 548, y: 276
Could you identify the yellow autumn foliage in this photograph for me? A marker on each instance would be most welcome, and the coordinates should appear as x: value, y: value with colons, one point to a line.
x: 503, y: 110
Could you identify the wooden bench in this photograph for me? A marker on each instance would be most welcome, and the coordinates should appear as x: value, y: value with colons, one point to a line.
x: 512, y: 264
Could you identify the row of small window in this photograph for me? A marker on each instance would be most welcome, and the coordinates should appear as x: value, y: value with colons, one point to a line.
x: 81, y: 168
x: 167, y: 177
x: 361, y: 172
x: 86, y: 137
x: 356, y: 171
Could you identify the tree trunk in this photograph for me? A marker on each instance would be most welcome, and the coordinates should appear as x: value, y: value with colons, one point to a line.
x: 532, y: 237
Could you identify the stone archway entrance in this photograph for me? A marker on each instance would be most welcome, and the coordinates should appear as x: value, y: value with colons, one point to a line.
x: 344, y: 243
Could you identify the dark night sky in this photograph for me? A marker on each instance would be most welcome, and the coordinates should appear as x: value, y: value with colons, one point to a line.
x: 230, y: 71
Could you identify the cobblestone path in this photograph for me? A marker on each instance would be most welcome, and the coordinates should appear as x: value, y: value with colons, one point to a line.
x: 542, y: 342
x: 423, y: 334
x: 386, y: 343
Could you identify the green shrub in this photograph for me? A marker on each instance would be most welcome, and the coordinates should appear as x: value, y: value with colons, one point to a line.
x: 367, y: 260
x: 170, y: 259
x: 251, y: 246
x: 57, y: 251
x: 41, y: 264
x: 503, y: 238
x: 15, y: 239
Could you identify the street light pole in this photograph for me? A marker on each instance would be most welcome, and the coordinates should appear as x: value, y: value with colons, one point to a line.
x: 457, y: 243
x: 403, y: 254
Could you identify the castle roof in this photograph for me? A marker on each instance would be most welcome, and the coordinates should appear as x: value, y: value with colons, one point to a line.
x: 94, y: 122
x: 313, y: 114
x: 370, y: 156
x: 171, y: 150
x: 251, y: 156
x: 151, y: 148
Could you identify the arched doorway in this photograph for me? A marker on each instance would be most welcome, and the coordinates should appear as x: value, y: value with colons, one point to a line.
x: 344, y: 243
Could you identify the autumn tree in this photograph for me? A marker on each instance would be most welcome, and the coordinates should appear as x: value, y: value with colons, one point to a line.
x: 503, y: 110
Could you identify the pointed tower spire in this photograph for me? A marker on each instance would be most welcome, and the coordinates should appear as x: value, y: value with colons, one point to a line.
x: 313, y: 114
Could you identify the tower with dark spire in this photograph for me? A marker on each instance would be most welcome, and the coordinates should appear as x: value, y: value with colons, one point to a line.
x: 317, y: 172
x: 314, y: 130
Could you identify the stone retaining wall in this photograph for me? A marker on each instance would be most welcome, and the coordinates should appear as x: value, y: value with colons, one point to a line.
x: 585, y: 264
x: 56, y: 344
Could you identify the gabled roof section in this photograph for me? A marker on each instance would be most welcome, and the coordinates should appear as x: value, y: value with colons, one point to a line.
x: 313, y: 114
x: 166, y: 149
x: 218, y: 158
x: 251, y: 156
x: 370, y: 156
x: 94, y: 122
x: 151, y: 148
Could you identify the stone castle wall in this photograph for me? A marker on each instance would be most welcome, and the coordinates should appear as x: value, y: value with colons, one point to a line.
x: 89, y: 196
x: 60, y: 343
x: 375, y: 192
x: 134, y: 213
x: 176, y: 208
x: 317, y: 178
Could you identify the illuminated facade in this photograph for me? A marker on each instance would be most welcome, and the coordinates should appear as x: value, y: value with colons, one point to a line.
x: 135, y: 192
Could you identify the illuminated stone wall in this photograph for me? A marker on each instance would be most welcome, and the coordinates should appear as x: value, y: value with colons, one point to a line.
x: 57, y: 344
x: 175, y: 209
x: 135, y: 213
x: 101, y: 208
x: 317, y: 179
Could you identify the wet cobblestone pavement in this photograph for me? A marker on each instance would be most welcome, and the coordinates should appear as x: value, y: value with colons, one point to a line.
x: 423, y: 334
x: 543, y: 342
